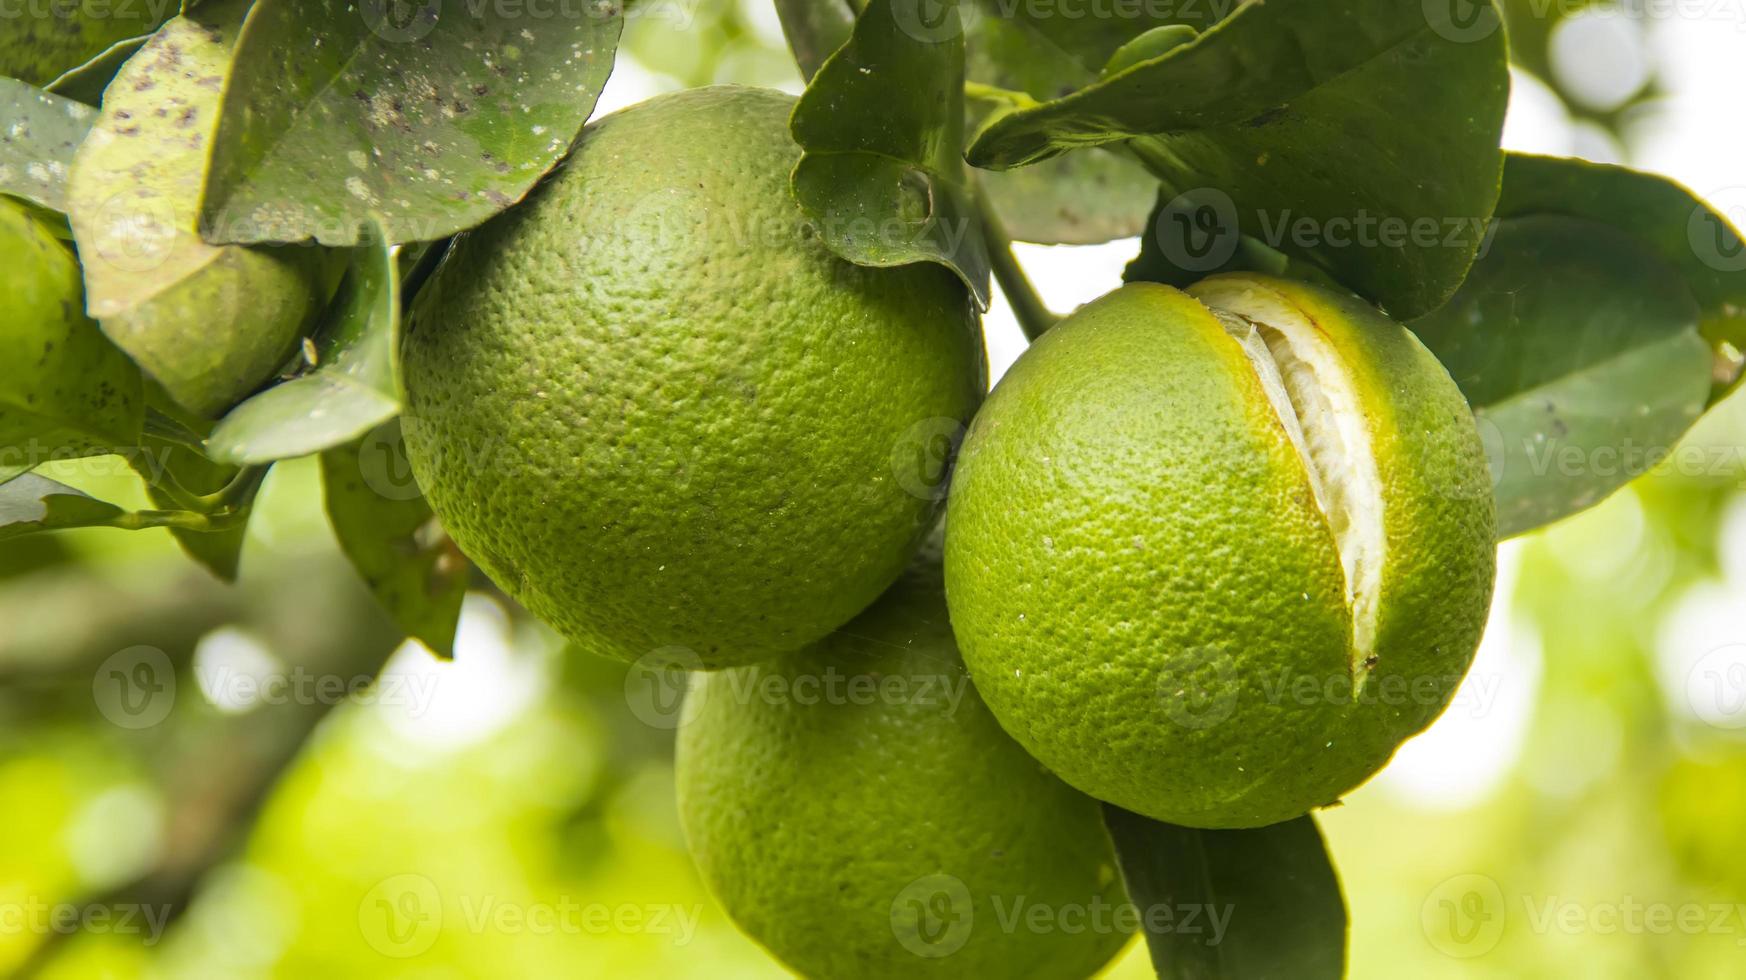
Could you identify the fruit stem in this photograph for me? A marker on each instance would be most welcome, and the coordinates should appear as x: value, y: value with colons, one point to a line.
x: 1034, y: 316
x: 238, y: 493
x: 136, y: 520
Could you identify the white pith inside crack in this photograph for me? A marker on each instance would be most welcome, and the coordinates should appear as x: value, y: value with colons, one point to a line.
x: 1311, y: 390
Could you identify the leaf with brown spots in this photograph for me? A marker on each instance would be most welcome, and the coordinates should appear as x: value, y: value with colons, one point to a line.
x: 37, y: 141
x: 208, y: 323
x: 336, y: 111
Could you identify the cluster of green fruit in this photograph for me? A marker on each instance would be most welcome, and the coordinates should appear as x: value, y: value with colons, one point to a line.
x: 1192, y: 541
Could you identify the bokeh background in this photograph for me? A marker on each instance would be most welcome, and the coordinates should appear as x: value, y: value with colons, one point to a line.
x: 1580, y: 810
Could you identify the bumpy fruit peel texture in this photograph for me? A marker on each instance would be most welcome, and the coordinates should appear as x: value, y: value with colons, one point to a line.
x: 73, y: 393
x: 816, y: 819
x: 1144, y: 574
x: 657, y: 411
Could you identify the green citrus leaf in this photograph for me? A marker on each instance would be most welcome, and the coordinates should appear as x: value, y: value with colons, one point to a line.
x: 209, y: 323
x: 37, y: 142
x: 66, y: 392
x: 387, y: 530
x: 40, y: 41
x: 1359, y: 135
x: 1174, y: 250
x: 353, y: 388
x: 814, y: 29
x: 1154, y: 43
x: 87, y: 82
x: 1083, y: 198
x: 881, y: 124
x: 219, y: 552
x: 1233, y: 904
x: 1691, y: 236
x: 339, y: 110
x: 1092, y: 42
x: 31, y: 503
x: 1579, y: 350
x: 174, y: 472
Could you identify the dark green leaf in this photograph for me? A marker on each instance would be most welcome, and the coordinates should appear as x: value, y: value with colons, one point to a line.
x: 1273, y: 888
x: 66, y: 391
x: 1579, y: 351
x: 1083, y: 198
x: 1183, y: 245
x: 387, y: 530
x: 208, y: 323
x: 881, y: 125
x: 1155, y: 43
x: 417, y: 264
x: 178, y: 475
x: 337, y: 111
x: 87, y: 82
x: 353, y: 388
x: 1360, y: 135
x: 1092, y: 41
x: 37, y: 142
x: 41, y: 41
x: 219, y: 552
x: 31, y: 503
x: 814, y: 29
x: 1686, y: 233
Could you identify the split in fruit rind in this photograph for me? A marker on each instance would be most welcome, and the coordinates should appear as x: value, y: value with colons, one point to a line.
x: 1149, y: 593
x: 1310, y: 388
x: 1425, y: 468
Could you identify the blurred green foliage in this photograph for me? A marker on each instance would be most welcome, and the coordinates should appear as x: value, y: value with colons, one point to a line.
x: 512, y: 813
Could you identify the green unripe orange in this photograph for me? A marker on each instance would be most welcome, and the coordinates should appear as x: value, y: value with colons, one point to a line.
x: 1211, y: 556
x: 68, y: 392
x: 657, y: 410
x: 858, y: 811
